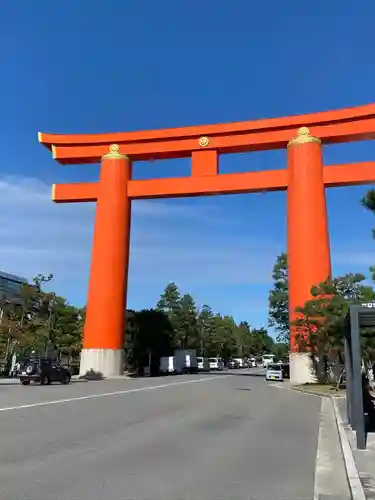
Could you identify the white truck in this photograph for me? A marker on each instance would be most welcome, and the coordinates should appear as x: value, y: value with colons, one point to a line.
x: 187, y: 360
x: 169, y: 365
x: 267, y: 359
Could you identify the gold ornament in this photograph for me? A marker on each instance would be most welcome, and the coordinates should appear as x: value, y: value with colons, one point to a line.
x: 204, y: 141
x: 303, y: 136
x: 114, y: 152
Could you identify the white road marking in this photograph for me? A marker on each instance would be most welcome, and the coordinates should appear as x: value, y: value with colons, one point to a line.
x: 320, y: 456
x: 106, y: 394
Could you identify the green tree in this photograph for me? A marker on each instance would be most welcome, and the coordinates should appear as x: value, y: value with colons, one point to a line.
x: 206, y: 329
x: 153, y: 338
x: 10, y: 313
x: 67, y: 331
x: 31, y: 318
x: 188, y: 329
x: 42, y: 315
x: 223, y: 341
x: 131, y: 329
x: 278, y: 300
x: 243, y: 339
x: 368, y: 201
x: 261, y: 342
x: 170, y: 304
x: 280, y: 350
x: 321, y: 321
x: 42, y: 321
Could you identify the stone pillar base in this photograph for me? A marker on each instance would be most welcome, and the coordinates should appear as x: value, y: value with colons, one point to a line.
x: 110, y: 362
x: 301, y: 368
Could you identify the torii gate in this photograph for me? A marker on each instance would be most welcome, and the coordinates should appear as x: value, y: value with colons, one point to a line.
x: 305, y: 179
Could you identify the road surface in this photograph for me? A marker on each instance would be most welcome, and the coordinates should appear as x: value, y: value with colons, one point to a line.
x: 198, y: 437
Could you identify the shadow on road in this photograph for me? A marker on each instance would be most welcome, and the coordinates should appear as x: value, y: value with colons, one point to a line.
x: 17, y: 383
x: 209, y: 373
x: 234, y: 374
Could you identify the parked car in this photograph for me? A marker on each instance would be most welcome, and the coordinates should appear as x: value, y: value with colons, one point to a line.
x: 240, y: 362
x: 203, y: 364
x: 233, y: 363
x: 252, y: 363
x: 45, y: 371
x: 216, y: 364
x: 274, y: 371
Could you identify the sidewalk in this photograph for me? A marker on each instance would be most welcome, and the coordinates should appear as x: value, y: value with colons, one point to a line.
x: 364, y: 460
x: 330, y: 472
x: 331, y: 479
x: 9, y: 381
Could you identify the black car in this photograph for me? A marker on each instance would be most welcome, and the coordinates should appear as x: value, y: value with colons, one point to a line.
x: 45, y: 371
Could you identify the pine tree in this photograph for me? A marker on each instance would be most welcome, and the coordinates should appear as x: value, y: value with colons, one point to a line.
x: 368, y: 201
x: 322, y: 319
x: 206, y: 327
x: 243, y: 339
x: 278, y: 300
x: 188, y: 323
x: 170, y: 304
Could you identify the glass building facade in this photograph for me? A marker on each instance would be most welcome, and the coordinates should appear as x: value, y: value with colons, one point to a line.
x: 11, y: 286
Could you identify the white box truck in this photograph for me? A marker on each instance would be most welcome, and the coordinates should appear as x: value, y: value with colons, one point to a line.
x: 187, y: 360
x: 169, y: 365
x: 267, y: 359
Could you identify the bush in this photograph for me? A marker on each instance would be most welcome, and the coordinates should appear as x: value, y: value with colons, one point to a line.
x: 92, y: 375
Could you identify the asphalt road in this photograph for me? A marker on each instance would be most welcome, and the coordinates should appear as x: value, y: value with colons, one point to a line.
x: 201, y: 437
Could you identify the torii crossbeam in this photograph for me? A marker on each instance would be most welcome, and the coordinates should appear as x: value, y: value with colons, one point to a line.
x: 305, y: 180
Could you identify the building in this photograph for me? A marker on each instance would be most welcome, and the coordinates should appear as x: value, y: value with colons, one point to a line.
x: 11, y: 286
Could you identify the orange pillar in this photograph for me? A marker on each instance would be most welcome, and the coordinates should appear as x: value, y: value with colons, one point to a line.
x: 309, y: 260
x: 103, y: 343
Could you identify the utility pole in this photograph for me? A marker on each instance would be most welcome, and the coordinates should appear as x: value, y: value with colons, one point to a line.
x: 51, y: 305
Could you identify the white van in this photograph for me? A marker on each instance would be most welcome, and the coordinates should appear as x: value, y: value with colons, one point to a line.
x: 203, y: 364
x: 274, y: 371
x: 240, y: 362
x: 252, y: 363
x: 216, y: 364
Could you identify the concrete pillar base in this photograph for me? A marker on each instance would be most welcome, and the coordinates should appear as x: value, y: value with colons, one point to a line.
x: 301, y: 368
x: 110, y: 362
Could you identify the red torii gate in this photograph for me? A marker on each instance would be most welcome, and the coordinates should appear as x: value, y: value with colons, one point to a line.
x: 304, y: 179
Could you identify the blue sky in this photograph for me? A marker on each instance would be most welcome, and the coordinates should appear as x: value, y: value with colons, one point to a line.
x: 85, y: 67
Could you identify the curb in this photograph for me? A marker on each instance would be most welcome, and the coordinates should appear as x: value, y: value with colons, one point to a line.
x: 309, y: 393
x: 317, y: 393
x: 355, y: 485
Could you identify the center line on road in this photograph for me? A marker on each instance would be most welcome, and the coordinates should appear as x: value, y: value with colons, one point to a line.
x: 114, y: 393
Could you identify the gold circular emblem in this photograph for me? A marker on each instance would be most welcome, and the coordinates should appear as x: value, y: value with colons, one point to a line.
x: 204, y: 141
x: 303, y: 131
x: 114, y: 148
